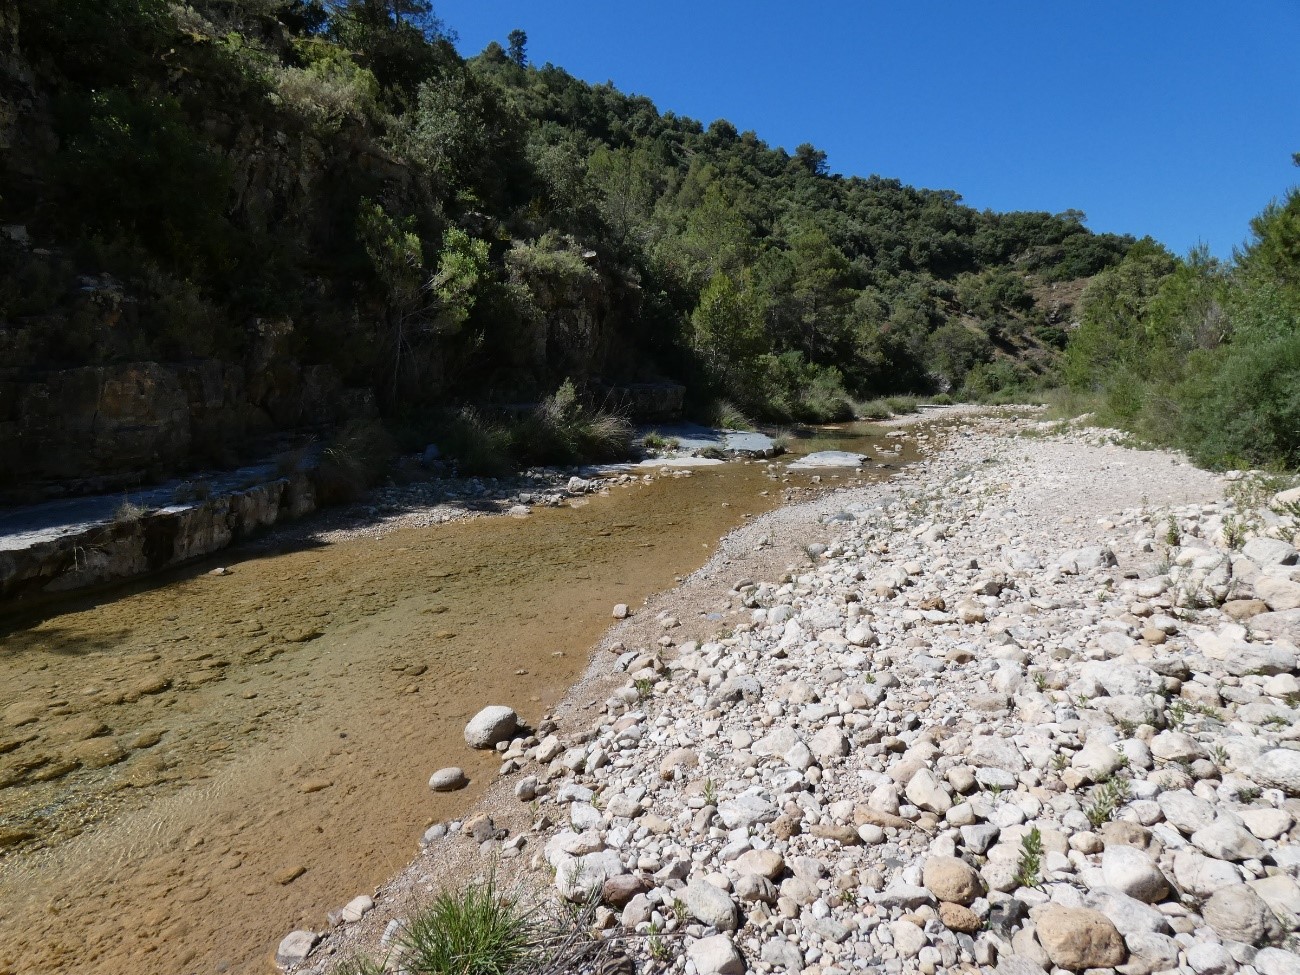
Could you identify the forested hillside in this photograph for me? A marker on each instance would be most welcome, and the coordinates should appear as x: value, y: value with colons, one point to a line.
x: 258, y: 181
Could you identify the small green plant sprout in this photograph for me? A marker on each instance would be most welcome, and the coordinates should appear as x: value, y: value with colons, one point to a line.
x: 1173, y: 535
x: 1248, y: 793
x: 1029, y: 869
x: 710, y: 792
x: 1107, y: 798
x: 1126, y: 727
x: 1177, y: 712
x: 679, y: 910
x: 1040, y: 681
x: 1219, y: 755
x: 1060, y: 761
x: 658, y: 948
x: 644, y: 687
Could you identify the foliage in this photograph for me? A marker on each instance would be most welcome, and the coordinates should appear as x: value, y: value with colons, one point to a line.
x: 478, y: 931
x: 1199, y: 354
x: 445, y: 230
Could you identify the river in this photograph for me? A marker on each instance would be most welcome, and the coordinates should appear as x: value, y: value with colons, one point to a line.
x: 193, y: 765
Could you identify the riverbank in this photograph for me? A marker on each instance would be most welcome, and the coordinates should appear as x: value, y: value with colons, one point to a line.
x: 218, y: 737
x: 1006, y: 718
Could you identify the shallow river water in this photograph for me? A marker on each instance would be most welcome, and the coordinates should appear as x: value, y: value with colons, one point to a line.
x: 194, y: 765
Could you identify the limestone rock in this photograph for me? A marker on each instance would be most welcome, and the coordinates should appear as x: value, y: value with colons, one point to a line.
x: 953, y: 880
x: 493, y: 724
x: 1079, y: 937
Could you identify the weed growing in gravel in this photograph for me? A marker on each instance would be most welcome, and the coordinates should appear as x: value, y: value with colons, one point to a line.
x: 644, y: 687
x: 710, y: 792
x: 1219, y: 755
x: 1029, y: 869
x: 1172, y: 534
x: 1248, y: 793
x: 1108, y: 796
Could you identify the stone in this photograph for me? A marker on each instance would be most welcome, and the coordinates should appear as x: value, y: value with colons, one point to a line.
x: 763, y: 863
x: 1200, y: 875
x: 747, y: 809
x: 957, y: 918
x: 493, y: 724
x: 294, y: 948
x: 1078, y: 938
x: 1176, y: 746
x: 782, y: 953
x: 1210, y: 959
x: 448, y: 779
x: 619, y: 891
x: 925, y: 792
x: 1275, y: 961
x: 995, y: 752
x: 1185, y: 811
x: 678, y: 758
x: 711, y: 905
x: 357, y: 908
x: 1278, y: 768
x: 716, y: 956
x: 1280, y: 594
x: 908, y: 938
x: 1132, y: 872
x: 1227, y: 839
x: 751, y: 888
x: 951, y: 879
x: 1237, y: 913
x: 1269, y: 551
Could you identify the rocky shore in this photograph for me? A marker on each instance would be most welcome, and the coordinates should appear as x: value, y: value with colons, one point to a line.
x: 1030, y: 706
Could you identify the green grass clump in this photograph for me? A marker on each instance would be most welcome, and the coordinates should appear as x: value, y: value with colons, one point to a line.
x: 873, y: 409
x: 476, y: 931
x: 357, y: 458
x: 565, y: 431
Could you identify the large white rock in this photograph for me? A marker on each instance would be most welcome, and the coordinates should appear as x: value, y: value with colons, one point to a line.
x: 711, y: 905
x: 1237, y: 913
x: 1128, y: 869
x: 1280, y: 594
x: 1279, y: 768
x: 716, y: 956
x: 746, y: 810
x: 493, y: 724
x: 295, y: 948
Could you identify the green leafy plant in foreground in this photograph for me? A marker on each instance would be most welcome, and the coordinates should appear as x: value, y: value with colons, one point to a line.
x: 1029, y: 869
x: 477, y: 931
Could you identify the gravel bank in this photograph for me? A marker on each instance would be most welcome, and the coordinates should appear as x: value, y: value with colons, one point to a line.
x: 1028, y: 706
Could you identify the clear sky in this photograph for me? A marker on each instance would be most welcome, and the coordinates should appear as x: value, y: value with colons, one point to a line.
x: 1174, y: 119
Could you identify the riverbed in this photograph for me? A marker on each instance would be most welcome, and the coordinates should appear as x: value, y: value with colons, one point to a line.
x: 192, y: 765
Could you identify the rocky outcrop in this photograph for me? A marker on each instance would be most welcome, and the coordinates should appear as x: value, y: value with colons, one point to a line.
x: 103, y: 428
x: 136, y: 542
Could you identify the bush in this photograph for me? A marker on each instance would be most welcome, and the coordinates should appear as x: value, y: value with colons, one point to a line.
x: 356, y: 459
x: 562, y: 430
x: 1242, y: 406
x: 478, y: 445
x: 478, y: 931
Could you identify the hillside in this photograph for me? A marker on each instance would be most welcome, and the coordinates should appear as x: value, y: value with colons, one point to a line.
x: 224, y: 220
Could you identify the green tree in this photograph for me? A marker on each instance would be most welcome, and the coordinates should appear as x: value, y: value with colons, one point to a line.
x: 518, y: 50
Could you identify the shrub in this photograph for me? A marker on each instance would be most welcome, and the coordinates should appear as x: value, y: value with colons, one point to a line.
x: 562, y: 430
x: 478, y: 445
x: 356, y: 459
x: 478, y: 931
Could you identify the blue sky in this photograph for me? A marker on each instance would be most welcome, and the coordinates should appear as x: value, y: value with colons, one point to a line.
x: 1174, y: 119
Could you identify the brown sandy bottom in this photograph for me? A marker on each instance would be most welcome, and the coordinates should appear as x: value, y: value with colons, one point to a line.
x: 193, y: 766
x: 702, y: 606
